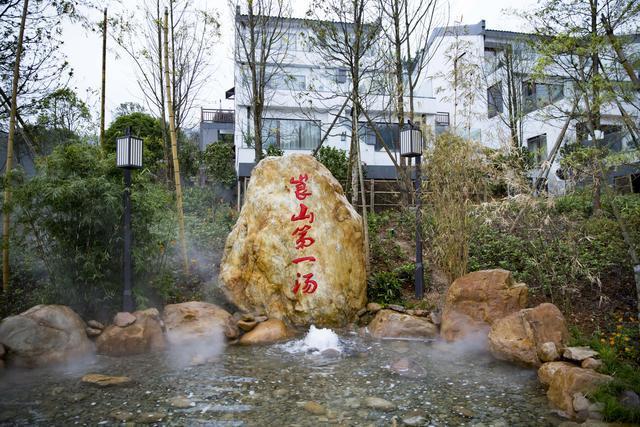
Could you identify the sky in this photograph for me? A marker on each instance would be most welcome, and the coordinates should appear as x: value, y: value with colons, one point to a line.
x: 83, y: 50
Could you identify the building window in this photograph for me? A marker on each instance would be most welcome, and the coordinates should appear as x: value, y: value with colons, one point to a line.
x: 537, y: 146
x: 442, y: 122
x: 291, y: 134
x: 283, y: 81
x: 341, y: 75
x: 389, y: 132
x: 538, y: 95
x: 494, y: 100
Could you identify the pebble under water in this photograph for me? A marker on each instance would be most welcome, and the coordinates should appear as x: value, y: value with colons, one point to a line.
x: 428, y: 383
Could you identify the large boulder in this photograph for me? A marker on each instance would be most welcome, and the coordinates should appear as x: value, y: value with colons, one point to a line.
x: 391, y: 324
x: 296, y: 252
x: 524, y: 336
x: 270, y: 331
x: 567, y: 382
x: 45, y: 335
x: 548, y: 370
x: 476, y: 300
x: 144, y: 335
x: 197, y: 322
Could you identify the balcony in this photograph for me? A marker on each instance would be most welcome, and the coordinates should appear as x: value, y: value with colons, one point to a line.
x: 208, y: 115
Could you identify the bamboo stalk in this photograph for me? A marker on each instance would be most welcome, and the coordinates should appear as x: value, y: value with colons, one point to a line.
x: 104, y: 74
x: 174, y: 144
x: 6, y: 222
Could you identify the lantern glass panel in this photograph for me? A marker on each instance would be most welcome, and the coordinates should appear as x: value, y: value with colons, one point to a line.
x: 129, y: 152
x: 411, y: 143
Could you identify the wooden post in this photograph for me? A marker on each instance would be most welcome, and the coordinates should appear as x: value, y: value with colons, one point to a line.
x: 239, y: 190
x: 174, y: 144
x: 104, y: 74
x: 372, y: 193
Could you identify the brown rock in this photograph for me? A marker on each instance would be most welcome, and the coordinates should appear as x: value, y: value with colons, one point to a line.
x: 565, y: 383
x: 591, y: 363
x: 150, y: 417
x: 95, y: 324
x: 247, y: 317
x: 124, y: 319
x: 92, y: 332
x: 105, y: 380
x: 422, y: 313
x: 547, y: 370
x: 436, y: 318
x: 398, y: 308
x: 181, y: 402
x: 45, y: 335
x: 257, y: 272
x: 121, y: 416
x: 374, y: 307
x: 142, y: 336
x: 391, y: 324
x: 548, y: 352
x: 272, y: 330
x: 246, y: 325
x: 578, y: 354
x: 475, y: 301
x: 519, y: 337
x: 261, y: 319
x: 314, y: 408
x: 195, y: 322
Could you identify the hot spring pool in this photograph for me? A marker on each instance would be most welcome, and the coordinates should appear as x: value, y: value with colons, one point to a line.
x: 427, y: 383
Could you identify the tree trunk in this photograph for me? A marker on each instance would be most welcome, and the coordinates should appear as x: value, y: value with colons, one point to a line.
x: 174, y: 145
x: 104, y: 76
x: 165, y: 134
x: 365, y: 221
x: 6, y: 231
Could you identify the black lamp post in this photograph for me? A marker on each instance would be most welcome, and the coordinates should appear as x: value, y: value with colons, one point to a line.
x: 411, y: 146
x: 128, y: 156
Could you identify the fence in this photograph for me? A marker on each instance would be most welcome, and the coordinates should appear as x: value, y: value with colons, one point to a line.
x: 379, y: 194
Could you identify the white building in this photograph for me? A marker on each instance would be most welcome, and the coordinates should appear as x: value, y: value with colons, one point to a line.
x: 479, y: 107
x: 303, y: 99
x: 306, y: 94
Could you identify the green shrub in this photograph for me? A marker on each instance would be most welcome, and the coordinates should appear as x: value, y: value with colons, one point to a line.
x: 336, y: 161
x: 384, y: 287
x: 218, y: 160
x: 67, y: 239
x: 274, y: 150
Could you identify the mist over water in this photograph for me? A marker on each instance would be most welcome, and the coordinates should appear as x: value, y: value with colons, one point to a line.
x: 268, y: 385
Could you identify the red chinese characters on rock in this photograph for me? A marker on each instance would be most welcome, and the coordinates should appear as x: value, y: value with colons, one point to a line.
x: 302, y: 239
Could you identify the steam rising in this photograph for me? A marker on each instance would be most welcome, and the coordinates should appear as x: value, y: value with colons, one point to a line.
x: 191, y: 349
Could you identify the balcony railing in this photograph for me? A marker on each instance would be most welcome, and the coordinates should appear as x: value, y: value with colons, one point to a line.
x: 612, y: 141
x: 216, y: 116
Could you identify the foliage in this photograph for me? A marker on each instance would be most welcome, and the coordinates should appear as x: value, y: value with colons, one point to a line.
x: 555, y: 246
x: 386, y: 229
x: 218, y: 160
x: 619, y: 350
x: 457, y: 174
x: 71, y: 211
x: 274, y: 150
x: 384, y: 287
x: 189, y: 155
x: 63, y: 110
x: 68, y: 245
x: 336, y: 161
x: 126, y: 108
x: 143, y: 126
